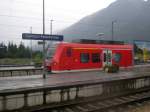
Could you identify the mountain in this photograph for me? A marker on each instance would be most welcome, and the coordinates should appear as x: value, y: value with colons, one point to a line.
x: 131, y: 20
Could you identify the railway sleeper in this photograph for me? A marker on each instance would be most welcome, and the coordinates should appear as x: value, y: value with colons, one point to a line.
x: 117, y: 101
x: 68, y: 110
x: 80, y: 108
x: 92, y: 106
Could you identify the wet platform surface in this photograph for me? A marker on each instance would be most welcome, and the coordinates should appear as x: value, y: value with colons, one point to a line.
x: 8, y: 83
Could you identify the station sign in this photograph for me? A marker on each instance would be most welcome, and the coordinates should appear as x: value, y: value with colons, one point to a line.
x: 30, y: 36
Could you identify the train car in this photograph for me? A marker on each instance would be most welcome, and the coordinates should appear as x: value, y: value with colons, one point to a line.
x: 65, y: 57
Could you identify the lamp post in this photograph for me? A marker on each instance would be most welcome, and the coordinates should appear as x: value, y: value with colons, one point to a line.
x: 44, y: 73
x: 31, y: 46
x: 113, y: 29
x: 51, y: 31
x: 51, y: 26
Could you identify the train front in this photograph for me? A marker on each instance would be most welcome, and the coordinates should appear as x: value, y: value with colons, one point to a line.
x: 49, y: 56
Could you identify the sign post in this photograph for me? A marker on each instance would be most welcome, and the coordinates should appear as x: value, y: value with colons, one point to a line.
x: 43, y: 37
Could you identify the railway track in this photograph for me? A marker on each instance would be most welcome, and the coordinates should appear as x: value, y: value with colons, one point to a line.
x: 134, y: 107
x: 96, y: 105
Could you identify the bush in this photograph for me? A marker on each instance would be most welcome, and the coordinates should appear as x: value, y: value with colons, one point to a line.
x: 38, y: 64
x: 111, y: 68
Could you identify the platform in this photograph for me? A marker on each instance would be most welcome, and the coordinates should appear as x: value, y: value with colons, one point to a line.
x: 9, y: 83
x: 22, y: 92
x: 17, y: 68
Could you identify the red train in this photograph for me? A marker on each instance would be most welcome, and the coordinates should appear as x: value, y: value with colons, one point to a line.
x: 77, y: 56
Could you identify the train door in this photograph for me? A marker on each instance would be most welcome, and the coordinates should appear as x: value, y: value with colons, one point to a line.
x: 107, y: 57
x: 68, y: 60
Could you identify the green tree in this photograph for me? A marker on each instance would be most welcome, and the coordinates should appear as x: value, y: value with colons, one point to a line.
x: 12, y: 50
x: 3, y: 50
x: 21, y: 50
x: 137, y: 50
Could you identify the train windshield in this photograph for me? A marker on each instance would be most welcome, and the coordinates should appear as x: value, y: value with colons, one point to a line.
x: 51, y: 51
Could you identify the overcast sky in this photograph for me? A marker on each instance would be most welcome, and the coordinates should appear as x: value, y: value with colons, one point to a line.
x: 17, y: 16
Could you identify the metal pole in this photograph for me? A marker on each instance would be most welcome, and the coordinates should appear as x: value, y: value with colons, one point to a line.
x: 51, y: 31
x: 112, y: 30
x: 31, y: 45
x: 44, y: 73
x: 51, y: 26
x: 43, y: 16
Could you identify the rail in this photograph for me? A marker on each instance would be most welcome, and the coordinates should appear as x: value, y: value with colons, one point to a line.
x: 101, y: 105
x: 32, y: 99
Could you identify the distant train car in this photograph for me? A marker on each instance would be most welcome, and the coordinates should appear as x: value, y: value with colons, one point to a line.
x: 77, y: 56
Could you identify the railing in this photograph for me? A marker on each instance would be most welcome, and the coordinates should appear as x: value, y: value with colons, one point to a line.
x: 13, y: 65
x: 10, y: 71
x: 21, y: 71
x: 30, y: 97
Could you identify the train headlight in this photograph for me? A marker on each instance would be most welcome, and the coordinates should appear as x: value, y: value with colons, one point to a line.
x: 55, y: 63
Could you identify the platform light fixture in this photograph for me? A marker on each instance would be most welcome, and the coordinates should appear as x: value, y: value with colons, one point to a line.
x: 100, y: 35
x: 113, y: 22
x: 51, y: 26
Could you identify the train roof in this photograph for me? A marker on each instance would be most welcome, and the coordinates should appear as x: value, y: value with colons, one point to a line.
x: 124, y: 46
x: 90, y: 41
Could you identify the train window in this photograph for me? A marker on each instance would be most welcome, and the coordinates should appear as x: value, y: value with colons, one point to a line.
x: 96, y: 57
x: 51, y: 51
x: 117, y: 57
x: 84, y: 57
x: 69, y: 52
